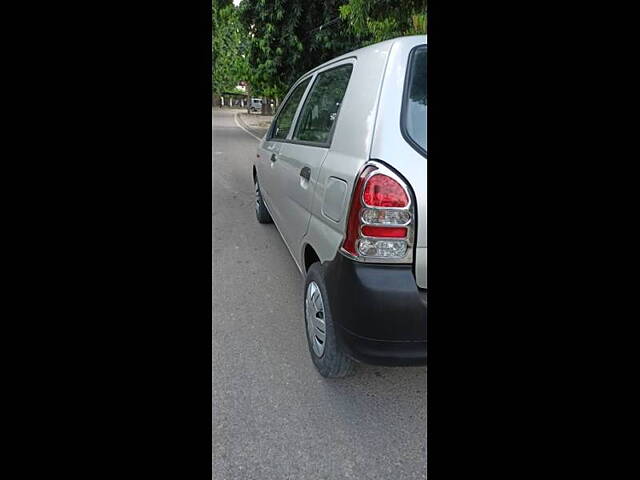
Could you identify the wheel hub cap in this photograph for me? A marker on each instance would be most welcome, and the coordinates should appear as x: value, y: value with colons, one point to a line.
x: 314, y: 310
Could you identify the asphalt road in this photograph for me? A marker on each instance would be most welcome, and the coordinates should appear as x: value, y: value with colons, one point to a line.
x: 274, y: 416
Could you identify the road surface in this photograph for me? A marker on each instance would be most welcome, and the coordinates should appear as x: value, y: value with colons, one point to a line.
x: 274, y: 416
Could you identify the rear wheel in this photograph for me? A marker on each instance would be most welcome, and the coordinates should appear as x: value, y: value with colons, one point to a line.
x: 262, y: 214
x: 325, y: 351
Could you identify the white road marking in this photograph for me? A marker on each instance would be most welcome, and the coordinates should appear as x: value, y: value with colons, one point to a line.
x: 235, y: 119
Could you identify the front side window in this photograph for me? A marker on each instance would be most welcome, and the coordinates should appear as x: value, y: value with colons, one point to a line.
x: 285, y: 117
x: 414, y: 110
x: 321, y: 108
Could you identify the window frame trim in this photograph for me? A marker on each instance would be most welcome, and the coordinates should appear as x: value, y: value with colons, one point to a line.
x: 343, y: 62
x: 270, y: 137
x: 405, y: 93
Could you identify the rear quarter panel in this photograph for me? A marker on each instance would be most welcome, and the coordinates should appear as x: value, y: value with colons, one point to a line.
x: 391, y: 147
x: 349, y: 149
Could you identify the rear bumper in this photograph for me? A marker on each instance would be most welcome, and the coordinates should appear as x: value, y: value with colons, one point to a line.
x: 380, y: 313
x: 377, y: 352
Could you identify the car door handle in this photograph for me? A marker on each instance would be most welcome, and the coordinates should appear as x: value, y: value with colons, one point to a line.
x: 273, y: 157
x: 305, y: 173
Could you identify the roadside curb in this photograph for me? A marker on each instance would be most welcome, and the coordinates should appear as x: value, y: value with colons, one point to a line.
x: 246, y: 128
x: 257, y: 121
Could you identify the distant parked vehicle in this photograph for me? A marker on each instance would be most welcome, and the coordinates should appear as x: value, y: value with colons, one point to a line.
x: 255, y: 105
x: 342, y: 172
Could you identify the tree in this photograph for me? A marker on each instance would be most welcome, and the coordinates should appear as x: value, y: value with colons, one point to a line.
x: 229, y: 47
x: 274, y: 46
x: 378, y: 20
x: 325, y: 36
x: 287, y: 39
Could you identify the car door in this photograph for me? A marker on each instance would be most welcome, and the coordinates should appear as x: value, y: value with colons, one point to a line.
x: 269, y: 150
x: 301, y: 157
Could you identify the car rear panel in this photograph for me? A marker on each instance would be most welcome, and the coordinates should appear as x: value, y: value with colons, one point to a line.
x: 391, y: 147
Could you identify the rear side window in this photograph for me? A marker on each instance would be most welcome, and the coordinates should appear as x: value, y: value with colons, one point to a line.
x: 285, y: 117
x: 318, y: 116
x: 414, y: 108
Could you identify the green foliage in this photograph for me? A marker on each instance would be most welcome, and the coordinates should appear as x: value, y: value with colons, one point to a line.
x: 229, y: 47
x: 220, y: 4
x: 282, y: 39
x: 378, y: 20
x: 285, y: 40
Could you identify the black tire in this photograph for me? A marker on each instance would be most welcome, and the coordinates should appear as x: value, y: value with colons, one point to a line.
x: 333, y: 363
x: 262, y: 214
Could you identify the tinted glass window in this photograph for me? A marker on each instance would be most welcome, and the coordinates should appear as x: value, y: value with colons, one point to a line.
x: 321, y: 108
x: 285, y: 117
x: 415, y: 108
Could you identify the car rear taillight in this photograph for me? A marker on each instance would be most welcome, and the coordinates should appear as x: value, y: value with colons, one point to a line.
x: 371, y: 231
x: 383, y: 191
x: 353, y: 223
x: 381, y: 223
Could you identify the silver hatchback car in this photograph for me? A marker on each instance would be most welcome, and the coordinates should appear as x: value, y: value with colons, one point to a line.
x: 342, y: 172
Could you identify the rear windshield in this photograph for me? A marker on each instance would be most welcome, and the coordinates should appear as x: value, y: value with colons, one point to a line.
x: 414, y: 110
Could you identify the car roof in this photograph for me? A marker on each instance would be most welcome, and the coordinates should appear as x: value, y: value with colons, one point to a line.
x: 376, y: 47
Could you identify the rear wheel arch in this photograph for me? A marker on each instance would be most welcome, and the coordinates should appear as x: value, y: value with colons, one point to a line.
x: 310, y: 256
x: 327, y: 354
